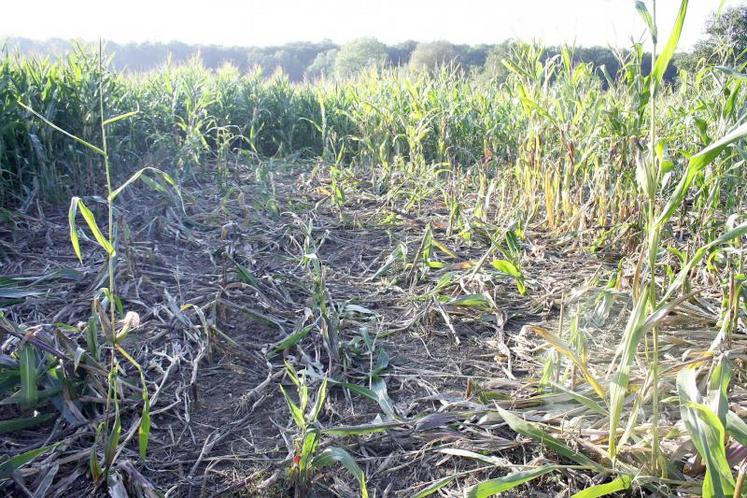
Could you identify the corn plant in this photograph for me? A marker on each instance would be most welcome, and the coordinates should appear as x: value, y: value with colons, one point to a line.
x: 113, y: 331
x: 648, y: 309
x: 306, y: 457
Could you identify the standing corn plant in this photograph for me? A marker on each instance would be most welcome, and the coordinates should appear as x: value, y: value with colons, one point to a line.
x: 648, y: 309
x: 113, y: 331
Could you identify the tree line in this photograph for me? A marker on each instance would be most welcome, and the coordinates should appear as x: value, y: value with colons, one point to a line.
x: 725, y: 43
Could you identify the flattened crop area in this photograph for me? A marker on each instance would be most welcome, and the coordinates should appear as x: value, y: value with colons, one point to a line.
x: 418, y: 331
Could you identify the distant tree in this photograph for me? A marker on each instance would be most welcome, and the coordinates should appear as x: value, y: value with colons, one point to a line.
x: 360, y: 54
x: 473, y: 56
x: 323, y: 65
x: 431, y: 55
x: 399, y: 54
x: 602, y: 58
x: 260, y: 57
x: 725, y: 42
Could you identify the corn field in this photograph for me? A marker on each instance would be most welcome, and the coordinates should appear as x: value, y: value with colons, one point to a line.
x: 436, y: 284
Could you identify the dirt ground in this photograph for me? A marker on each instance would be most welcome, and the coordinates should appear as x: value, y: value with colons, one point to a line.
x: 220, y: 424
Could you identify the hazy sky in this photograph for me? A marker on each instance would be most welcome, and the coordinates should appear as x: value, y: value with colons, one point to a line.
x: 270, y: 22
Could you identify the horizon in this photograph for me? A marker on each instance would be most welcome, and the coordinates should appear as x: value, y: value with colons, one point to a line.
x: 604, y: 23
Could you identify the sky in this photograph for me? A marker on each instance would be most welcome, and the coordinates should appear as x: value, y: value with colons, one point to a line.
x: 274, y: 22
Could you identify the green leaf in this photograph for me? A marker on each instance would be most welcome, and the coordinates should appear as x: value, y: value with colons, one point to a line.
x: 643, y: 11
x: 77, y: 204
x: 338, y: 455
x: 321, y: 397
x: 583, y: 400
x: 357, y: 430
x: 433, y: 487
x: 696, y: 164
x: 54, y: 126
x: 18, y: 424
x: 501, y: 484
x: 294, y: 409
x: 618, y: 388
x: 533, y: 431
x: 662, y: 61
x: 29, y: 376
x: 471, y: 301
x: 144, y: 429
x: 508, y: 268
x: 17, y: 293
x: 7, y: 467
x: 708, y: 436
x: 139, y: 174
x: 112, y: 442
x: 718, y: 385
x: 125, y: 115
x: 377, y: 393
x: 622, y: 483
x: 308, y: 447
x: 291, y: 340
x: 736, y: 427
x: 735, y: 233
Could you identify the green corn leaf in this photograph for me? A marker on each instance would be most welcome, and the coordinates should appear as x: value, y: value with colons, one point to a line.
x: 294, y: 409
x: 736, y: 427
x: 734, y: 233
x: 137, y: 176
x: 720, y: 9
x: 76, y: 204
x: 508, y: 268
x: 582, y: 399
x: 643, y: 11
x: 471, y: 301
x: 94, y: 466
x: 501, y: 484
x: 291, y: 340
x: 29, y: 376
x: 308, y: 447
x: 717, y: 397
x: 245, y: 274
x: 619, y: 386
x: 377, y: 393
x: 17, y: 293
x: 125, y: 115
x: 55, y: 127
x: 112, y: 442
x: 18, y: 424
x: 7, y: 467
x: 357, y: 430
x: 144, y: 429
x: 708, y: 436
x: 334, y: 455
x: 321, y: 397
x: 697, y: 163
x: 429, y: 490
x: 533, y: 431
x: 622, y: 483
x: 731, y: 72
x: 662, y: 61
